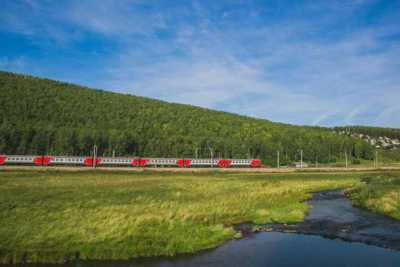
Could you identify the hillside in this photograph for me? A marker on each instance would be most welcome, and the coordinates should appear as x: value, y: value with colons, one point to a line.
x: 385, y: 138
x: 41, y: 116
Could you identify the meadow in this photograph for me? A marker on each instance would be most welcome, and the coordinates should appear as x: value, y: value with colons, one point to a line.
x: 378, y: 192
x: 54, y: 216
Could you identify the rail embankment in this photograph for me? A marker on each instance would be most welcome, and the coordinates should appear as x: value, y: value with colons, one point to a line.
x: 196, y: 170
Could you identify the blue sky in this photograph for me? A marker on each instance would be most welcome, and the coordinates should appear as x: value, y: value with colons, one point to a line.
x: 304, y: 62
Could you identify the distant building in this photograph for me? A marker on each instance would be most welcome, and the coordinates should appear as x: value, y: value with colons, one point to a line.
x: 299, y: 165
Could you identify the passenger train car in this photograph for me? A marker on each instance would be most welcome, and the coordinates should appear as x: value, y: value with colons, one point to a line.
x: 126, y: 161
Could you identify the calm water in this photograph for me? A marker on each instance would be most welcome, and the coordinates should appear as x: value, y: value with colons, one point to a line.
x: 279, y: 249
x: 332, y: 216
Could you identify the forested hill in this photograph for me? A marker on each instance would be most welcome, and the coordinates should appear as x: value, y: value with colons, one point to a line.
x: 40, y: 116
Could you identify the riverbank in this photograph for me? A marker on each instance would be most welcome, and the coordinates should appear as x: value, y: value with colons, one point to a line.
x: 379, y: 192
x: 56, y: 216
x: 334, y: 217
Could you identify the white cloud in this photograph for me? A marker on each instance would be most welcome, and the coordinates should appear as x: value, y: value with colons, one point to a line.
x: 115, y: 18
x: 320, y: 80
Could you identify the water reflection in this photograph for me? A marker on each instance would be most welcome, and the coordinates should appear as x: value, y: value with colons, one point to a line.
x: 276, y: 249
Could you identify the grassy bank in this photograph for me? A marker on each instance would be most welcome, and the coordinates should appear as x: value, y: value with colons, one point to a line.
x: 379, y: 192
x: 50, y: 216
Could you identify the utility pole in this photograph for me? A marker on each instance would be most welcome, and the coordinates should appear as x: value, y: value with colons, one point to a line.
x: 301, y: 159
x: 345, y: 156
x: 277, y: 159
x: 376, y: 159
x: 211, y: 155
x: 94, y: 156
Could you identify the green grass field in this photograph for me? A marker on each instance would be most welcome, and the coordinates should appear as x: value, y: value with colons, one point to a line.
x: 379, y: 192
x: 50, y: 216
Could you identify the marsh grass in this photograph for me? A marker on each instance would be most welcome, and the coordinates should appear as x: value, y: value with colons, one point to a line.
x: 52, y: 216
x: 379, y: 192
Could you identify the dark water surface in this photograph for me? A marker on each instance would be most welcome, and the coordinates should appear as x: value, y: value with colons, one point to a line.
x: 334, y: 234
x: 333, y: 216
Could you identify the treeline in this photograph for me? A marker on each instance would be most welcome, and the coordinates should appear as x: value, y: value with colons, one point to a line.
x: 375, y: 132
x: 40, y: 116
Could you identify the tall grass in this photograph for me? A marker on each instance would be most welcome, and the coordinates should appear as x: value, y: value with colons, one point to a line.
x: 53, y: 216
x: 379, y: 192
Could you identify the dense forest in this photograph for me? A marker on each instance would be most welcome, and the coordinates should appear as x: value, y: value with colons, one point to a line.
x: 41, y: 116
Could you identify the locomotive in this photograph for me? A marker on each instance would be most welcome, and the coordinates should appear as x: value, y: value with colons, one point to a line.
x: 127, y: 161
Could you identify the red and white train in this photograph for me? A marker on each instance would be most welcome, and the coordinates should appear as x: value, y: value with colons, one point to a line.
x: 127, y: 161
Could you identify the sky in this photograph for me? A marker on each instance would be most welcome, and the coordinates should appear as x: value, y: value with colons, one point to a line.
x: 311, y: 62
